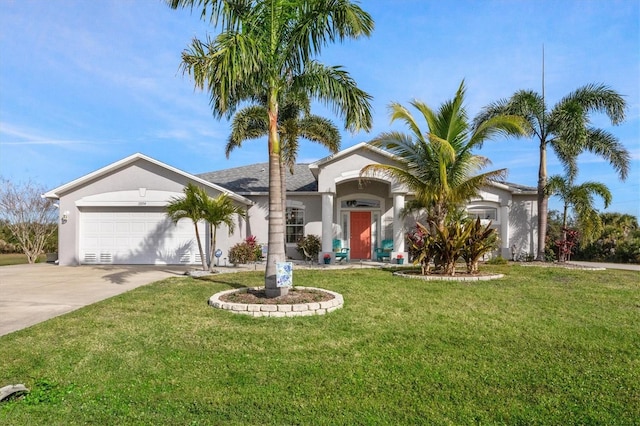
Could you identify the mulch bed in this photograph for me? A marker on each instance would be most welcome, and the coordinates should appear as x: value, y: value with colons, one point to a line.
x: 295, y: 296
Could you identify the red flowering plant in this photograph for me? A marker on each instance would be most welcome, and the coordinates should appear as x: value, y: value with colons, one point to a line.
x: 567, y: 244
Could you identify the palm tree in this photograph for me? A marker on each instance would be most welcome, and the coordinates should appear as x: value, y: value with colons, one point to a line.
x: 294, y: 121
x: 189, y: 207
x: 265, y: 47
x: 439, y: 165
x: 580, y: 199
x: 218, y: 211
x: 566, y: 128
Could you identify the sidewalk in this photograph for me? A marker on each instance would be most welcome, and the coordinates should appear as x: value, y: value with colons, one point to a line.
x: 623, y: 266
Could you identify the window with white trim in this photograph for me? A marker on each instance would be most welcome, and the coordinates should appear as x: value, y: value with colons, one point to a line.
x: 295, y: 224
x: 484, y: 213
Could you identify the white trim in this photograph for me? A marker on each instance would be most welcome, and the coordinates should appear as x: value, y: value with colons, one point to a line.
x: 55, y: 193
x: 345, y: 152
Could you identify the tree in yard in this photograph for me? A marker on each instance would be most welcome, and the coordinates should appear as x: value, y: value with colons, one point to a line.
x: 295, y: 121
x: 29, y: 216
x: 439, y: 164
x: 219, y: 211
x: 566, y: 128
x: 191, y: 206
x: 266, y: 47
x: 579, y: 198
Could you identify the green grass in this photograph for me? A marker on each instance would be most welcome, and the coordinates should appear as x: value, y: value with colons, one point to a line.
x: 541, y: 346
x: 16, y: 259
x: 12, y: 259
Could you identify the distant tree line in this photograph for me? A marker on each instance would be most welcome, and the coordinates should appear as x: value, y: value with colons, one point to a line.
x: 28, y: 222
x: 618, y: 241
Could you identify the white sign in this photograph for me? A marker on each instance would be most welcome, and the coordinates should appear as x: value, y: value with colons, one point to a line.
x: 284, y: 274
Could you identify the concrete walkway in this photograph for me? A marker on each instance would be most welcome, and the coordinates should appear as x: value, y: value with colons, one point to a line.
x: 30, y: 294
x: 623, y: 266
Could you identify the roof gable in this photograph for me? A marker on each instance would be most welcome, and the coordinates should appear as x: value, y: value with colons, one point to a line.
x: 114, y: 167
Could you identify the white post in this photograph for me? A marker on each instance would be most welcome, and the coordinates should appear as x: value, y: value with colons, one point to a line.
x: 327, y: 223
x: 398, y: 223
x: 504, y: 231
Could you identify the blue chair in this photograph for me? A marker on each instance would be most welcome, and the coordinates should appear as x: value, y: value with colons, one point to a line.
x: 384, y: 252
x: 341, y: 253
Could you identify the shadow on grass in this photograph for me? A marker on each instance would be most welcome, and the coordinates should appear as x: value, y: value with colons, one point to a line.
x: 224, y: 280
x: 121, y: 274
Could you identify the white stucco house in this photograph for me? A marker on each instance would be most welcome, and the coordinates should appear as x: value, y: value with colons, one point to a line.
x: 115, y: 215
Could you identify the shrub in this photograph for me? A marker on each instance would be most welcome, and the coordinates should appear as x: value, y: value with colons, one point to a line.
x: 480, y: 240
x: 467, y: 239
x: 309, y: 246
x: 6, y: 247
x: 498, y: 260
x: 247, y: 251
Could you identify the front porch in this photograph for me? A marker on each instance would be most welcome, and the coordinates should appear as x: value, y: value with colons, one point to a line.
x: 361, y: 216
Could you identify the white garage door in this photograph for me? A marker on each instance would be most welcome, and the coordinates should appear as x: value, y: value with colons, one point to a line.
x: 137, y: 237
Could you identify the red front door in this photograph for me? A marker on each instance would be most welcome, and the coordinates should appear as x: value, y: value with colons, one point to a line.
x: 360, y: 241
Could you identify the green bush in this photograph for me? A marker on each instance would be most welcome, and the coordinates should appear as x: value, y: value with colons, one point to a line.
x: 310, y: 244
x: 469, y: 240
x: 247, y: 251
x: 498, y: 260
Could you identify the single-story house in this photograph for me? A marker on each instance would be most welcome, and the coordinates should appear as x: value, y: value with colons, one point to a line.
x: 115, y: 215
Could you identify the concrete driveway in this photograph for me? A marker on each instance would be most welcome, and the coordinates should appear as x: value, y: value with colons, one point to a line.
x: 30, y: 294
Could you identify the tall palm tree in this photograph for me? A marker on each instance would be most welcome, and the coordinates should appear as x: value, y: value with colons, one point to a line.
x: 438, y: 164
x: 265, y: 47
x: 580, y: 199
x: 189, y: 207
x: 218, y: 211
x: 566, y: 129
x: 294, y: 121
x: 621, y: 225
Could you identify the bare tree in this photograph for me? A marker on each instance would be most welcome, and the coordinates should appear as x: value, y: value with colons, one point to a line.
x: 30, y: 217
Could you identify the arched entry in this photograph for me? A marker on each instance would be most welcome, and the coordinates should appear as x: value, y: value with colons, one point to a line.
x: 360, y: 219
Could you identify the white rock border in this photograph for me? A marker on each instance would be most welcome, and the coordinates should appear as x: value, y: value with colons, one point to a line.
x: 461, y: 278
x: 278, y: 311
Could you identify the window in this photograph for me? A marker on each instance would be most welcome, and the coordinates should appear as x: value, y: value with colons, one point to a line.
x: 484, y: 213
x: 347, y: 204
x: 295, y: 224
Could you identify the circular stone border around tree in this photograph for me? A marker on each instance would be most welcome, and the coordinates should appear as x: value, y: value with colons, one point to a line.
x: 278, y: 310
x: 436, y: 277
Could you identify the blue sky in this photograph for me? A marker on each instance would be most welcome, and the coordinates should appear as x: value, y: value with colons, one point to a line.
x: 86, y: 83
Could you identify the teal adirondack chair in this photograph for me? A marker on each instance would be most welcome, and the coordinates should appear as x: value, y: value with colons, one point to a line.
x: 341, y: 253
x: 384, y: 252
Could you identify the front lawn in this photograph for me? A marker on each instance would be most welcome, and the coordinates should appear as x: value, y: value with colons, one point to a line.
x: 16, y: 259
x: 541, y: 346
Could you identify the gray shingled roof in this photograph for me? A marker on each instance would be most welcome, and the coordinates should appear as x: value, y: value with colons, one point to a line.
x: 522, y: 188
x: 255, y: 178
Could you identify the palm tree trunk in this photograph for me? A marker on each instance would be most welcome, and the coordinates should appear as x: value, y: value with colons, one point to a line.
x: 543, y: 202
x: 283, y: 185
x: 203, y: 259
x: 213, y: 246
x: 276, y: 219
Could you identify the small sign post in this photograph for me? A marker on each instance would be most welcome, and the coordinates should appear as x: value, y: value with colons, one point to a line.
x: 217, y: 254
x: 284, y: 274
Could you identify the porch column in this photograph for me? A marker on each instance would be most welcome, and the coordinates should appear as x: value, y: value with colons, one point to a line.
x: 504, y: 230
x: 398, y: 223
x: 327, y: 222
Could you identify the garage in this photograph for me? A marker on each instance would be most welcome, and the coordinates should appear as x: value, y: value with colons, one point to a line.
x: 136, y: 236
x: 116, y: 215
